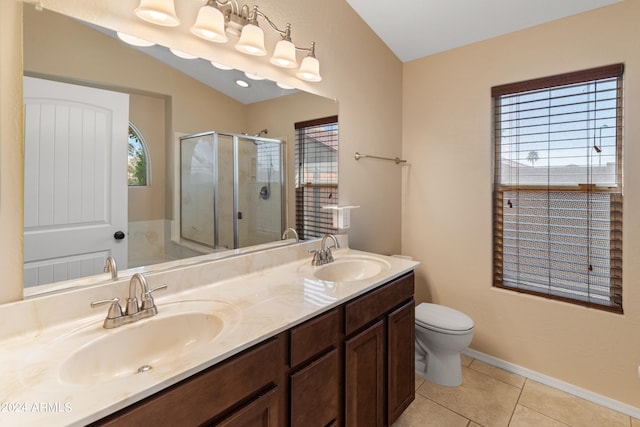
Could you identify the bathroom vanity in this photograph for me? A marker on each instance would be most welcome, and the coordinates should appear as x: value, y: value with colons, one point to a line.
x: 295, y: 378
x: 287, y: 348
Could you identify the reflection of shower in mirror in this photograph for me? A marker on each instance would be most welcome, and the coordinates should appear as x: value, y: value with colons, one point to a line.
x: 220, y: 176
x: 265, y: 191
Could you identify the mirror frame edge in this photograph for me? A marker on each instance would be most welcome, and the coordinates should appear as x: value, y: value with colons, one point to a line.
x: 11, y: 147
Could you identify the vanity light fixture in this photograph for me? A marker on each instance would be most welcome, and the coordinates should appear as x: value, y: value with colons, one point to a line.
x: 310, y: 67
x: 209, y: 23
x: 252, y: 37
x: 242, y: 83
x: 284, y: 54
x: 160, y: 12
x: 218, y: 19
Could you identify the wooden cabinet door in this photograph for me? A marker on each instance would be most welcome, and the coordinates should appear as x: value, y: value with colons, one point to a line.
x: 261, y: 412
x: 401, y: 360
x: 315, y: 392
x: 365, y: 378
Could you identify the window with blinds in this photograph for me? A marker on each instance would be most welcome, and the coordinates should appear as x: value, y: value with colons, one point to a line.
x: 558, y: 187
x: 316, y: 153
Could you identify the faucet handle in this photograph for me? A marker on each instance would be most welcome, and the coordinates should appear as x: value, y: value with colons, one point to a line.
x: 132, y: 306
x: 328, y: 255
x: 115, y: 310
x: 317, y: 256
x: 147, y: 298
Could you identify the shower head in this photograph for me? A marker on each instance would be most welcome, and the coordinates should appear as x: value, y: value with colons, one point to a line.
x: 265, y: 131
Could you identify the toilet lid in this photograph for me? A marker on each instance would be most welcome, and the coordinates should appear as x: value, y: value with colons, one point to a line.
x: 441, y: 317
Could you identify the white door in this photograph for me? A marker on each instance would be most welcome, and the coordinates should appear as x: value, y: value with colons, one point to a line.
x: 75, y: 201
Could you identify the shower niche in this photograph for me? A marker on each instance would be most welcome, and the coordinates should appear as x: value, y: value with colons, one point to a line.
x: 231, y: 190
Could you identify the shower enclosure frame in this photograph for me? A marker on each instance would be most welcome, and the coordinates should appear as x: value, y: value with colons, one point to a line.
x: 236, y: 137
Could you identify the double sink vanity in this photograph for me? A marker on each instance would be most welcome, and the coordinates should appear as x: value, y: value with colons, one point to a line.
x: 264, y: 339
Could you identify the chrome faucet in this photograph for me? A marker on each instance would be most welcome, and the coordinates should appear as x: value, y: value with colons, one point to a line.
x: 292, y: 231
x: 110, y: 266
x: 133, y: 312
x: 324, y: 256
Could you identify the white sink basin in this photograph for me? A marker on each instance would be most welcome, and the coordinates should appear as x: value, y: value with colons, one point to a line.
x: 348, y: 268
x: 178, y: 329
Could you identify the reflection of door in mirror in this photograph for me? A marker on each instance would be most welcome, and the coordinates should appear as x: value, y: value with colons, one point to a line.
x: 73, y: 213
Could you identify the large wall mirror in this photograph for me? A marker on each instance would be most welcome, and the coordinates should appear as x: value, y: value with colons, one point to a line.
x: 167, y: 97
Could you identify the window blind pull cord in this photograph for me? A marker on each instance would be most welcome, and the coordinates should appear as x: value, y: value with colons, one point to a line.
x: 397, y: 160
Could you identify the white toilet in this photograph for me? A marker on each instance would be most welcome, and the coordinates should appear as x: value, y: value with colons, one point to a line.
x: 441, y: 334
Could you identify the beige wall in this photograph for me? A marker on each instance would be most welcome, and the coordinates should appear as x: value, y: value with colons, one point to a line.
x: 447, y: 207
x: 147, y: 113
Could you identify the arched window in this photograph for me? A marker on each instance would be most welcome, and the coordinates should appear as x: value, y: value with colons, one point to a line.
x: 139, y: 162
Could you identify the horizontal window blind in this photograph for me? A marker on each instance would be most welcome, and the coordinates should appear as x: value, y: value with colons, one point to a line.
x: 558, y: 188
x: 316, y: 176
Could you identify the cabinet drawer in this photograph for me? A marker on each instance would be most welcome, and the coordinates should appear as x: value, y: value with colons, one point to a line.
x: 261, y: 412
x: 315, y: 392
x: 205, y: 396
x: 314, y: 337
x: 378, y: 302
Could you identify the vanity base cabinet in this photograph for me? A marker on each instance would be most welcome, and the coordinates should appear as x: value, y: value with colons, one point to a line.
x: 350, y: 366
x: 316, y: 371
x: 401, y: 360
x: 364, y: 378
x: 379, y: 354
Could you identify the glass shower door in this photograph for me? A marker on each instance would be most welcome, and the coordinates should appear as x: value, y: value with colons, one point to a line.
x: 260, y: 186
x: 226, y: 192
x: 197, y: 188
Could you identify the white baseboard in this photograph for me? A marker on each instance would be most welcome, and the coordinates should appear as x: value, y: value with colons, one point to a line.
x: 555, y: 383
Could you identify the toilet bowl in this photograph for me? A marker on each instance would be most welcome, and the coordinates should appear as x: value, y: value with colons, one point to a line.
x: 441, y: 334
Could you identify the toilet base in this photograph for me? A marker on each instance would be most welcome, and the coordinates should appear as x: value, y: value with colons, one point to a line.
x: 445, y: 370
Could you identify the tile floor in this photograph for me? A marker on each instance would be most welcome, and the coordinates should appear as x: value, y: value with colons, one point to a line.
x: 492, y: 397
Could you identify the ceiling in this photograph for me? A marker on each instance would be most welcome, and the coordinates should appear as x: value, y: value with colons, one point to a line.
x: 413, y: 29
